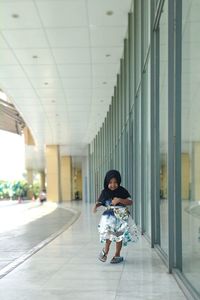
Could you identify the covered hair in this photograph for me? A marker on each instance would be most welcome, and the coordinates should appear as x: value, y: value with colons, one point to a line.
x: 110, y: 175
x: 106, y: 193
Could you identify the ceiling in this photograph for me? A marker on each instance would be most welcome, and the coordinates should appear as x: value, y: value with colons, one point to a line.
x: 58, y: 61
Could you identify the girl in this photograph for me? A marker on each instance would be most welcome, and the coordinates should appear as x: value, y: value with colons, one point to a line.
x: 115, y: 224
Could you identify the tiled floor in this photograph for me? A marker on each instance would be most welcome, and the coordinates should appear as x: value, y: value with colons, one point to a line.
x: 23, y: 226
x: 68, y: 268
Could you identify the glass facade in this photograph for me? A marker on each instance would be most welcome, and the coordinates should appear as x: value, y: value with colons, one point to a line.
x: 151, y: 132
x: 190, y: 144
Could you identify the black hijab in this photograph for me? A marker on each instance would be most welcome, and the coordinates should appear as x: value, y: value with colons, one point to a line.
x: 120, y: 192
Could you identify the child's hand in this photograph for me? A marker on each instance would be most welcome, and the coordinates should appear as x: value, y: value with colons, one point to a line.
x: 115, y: 201
x: 94, y: 209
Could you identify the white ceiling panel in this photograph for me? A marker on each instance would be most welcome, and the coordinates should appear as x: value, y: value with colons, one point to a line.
x: 27, y: 15
x: 34, y: 56
x: 97, y: 12
x: 11, y: 71
x: 7, y: 57
x: 25, y: 38
x: 79, y: 100
x: 78, y: 107
x: 15, y: 83
x: 3, y: 44
x: 50, y: 93
x: 75, y: 94
x: 104, y: 82
x: 51, y: 100
x: 63, y: 13
x: 71, y: 55
x: 68, y: 37
x: 106, y: 36
x: 106, y: 55
x: 75, y: 71
x: 47, y: 83
x: 106, y: 70
x: 77, y: 83
x: 47, y: 71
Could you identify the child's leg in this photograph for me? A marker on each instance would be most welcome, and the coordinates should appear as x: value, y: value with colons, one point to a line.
x: 118, y: 248
x: 107, y: 246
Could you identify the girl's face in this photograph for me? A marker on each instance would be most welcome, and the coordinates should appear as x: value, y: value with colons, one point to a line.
x: 113, y: 185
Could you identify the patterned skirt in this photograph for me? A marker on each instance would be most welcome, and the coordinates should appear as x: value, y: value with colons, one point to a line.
x: 117, y: 225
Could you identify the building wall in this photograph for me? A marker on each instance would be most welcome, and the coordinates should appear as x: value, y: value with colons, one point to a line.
x: 151, y: 131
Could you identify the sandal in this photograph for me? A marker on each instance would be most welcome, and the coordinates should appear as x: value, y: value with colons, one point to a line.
x: 116, y: 259
x: 102, y: 256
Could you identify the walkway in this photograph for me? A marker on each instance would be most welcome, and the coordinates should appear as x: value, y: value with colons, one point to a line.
x: 68, y: 268
x: 26, y: 227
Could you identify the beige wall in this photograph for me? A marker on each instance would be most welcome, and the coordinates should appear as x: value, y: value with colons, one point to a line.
x: 66, y: 178
x: 77, y: 182
x: 196, y: 171
x: 42, y: 180
x: 185, y: 178
x: 53, y: 173
x: 28, y: 138
x: 30, y: 182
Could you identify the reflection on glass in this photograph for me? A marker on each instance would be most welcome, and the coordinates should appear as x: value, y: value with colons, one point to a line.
x: 147, y: 153
x: 163, y: 128
x: 138, y: 160
x: 191, y: 142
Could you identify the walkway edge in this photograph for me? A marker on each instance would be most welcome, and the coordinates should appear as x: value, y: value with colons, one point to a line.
x: 10, y: 267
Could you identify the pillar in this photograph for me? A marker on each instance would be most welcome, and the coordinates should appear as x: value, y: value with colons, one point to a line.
x: 196, y: 172
x: 30, y: 182
x: 66, y: 178
x: 42, y: 180
x: 185, y: 176
x: 53, y: 173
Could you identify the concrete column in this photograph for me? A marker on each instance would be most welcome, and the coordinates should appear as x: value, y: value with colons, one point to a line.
x: 196, y: 172
x: 42, y: 179
x: 66, y: 178
x: 185, y: 177
x: 53, y: 173
x: 30, y: 182
x: 28, y: 138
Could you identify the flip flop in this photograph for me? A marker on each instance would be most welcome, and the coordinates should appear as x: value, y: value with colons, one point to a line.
x: 116, y: 259
x: 102, y: 256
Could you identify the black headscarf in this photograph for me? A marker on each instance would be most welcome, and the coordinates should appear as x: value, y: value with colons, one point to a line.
x: 120, y: 192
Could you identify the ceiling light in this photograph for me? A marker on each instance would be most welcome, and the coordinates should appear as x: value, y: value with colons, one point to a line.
x: 101, y: 100
x: 15, y: 16
x: 108, y: 55
x: 53, y: 101
x: 104, y: 82
x: 34, y: 56
x: 109, y: 13
x: 46, y: 83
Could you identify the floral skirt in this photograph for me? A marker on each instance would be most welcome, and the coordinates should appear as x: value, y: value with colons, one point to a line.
x: 117, y: 225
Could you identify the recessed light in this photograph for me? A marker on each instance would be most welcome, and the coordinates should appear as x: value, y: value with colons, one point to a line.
x: 109, y: 13
x: 46, y: 83
x: 104, y: 82
x: 53, y: 101
x: 15, y: 16
x: 34, y: 56
x: 108, y: 55
x: 101, y: 100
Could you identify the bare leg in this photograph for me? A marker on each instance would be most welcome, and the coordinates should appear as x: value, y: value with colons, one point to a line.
x: 118, y: 248
x: 107, y: 246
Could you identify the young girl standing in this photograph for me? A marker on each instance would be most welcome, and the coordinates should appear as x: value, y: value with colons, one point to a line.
x: 116, y: 224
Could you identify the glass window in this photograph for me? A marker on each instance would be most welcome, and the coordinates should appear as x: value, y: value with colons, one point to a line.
x: 147, y: 153
x: 163, y: 127
x: 191, y: 142
x: 138, y: 159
